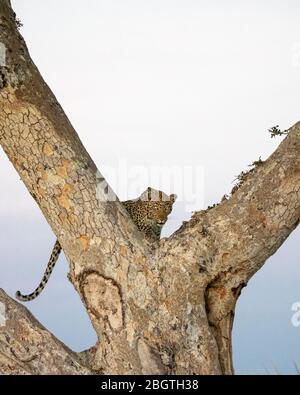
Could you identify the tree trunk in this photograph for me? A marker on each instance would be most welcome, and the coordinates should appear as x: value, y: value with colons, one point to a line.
x: 161, y: 308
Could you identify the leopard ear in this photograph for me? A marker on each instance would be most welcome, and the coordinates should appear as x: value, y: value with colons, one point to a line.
x: 146, y: 196
x: 149, y: 193
x: 173, y: 197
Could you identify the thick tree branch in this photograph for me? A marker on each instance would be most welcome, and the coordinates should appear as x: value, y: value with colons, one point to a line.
x: 26, y: 347
x: 63, y: 171
x: 242, y: 232
x: 230, y: 242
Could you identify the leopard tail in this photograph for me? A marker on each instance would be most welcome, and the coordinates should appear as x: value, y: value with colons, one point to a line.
x: 52, y: 261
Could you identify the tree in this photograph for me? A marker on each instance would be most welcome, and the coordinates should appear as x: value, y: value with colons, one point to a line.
x: 156, y: 308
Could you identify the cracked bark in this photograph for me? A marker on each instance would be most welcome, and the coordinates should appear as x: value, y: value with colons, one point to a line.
x: 26, y: 347
x: 159, y: 308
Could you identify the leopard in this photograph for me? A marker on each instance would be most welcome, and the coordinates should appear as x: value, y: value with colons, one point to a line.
x: 149, y: 212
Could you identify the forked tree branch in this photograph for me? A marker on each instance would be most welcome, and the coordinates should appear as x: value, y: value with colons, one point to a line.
x: 161, y: 308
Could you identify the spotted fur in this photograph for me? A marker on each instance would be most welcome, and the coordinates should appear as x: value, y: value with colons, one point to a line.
x: 52, y: 261
x: 149, y: 212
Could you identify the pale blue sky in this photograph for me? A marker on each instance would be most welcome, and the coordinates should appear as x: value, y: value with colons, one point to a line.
x: 164, y: 83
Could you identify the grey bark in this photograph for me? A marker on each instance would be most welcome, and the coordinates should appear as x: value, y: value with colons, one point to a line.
x: 165, y: 307
x: 26, y: 347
